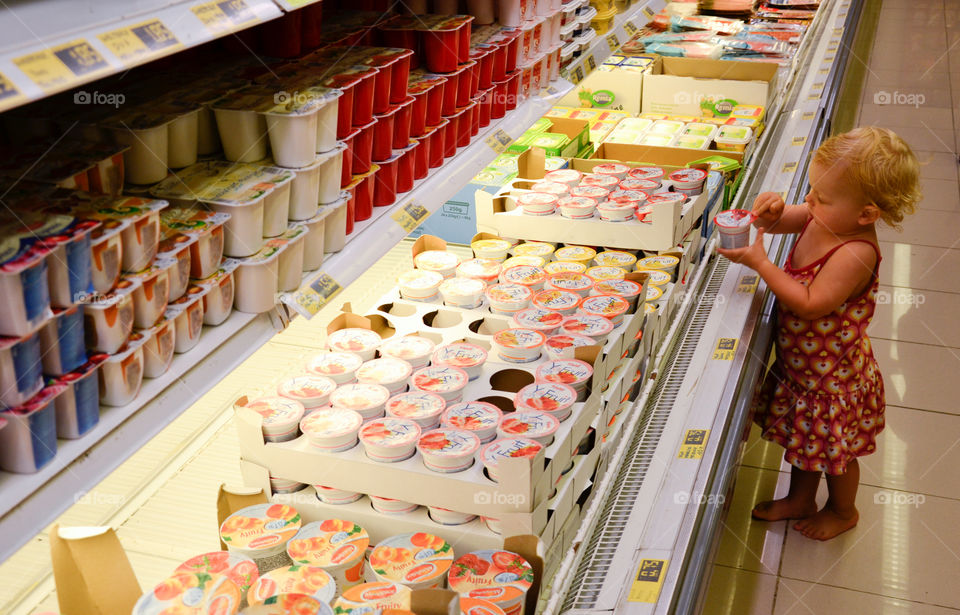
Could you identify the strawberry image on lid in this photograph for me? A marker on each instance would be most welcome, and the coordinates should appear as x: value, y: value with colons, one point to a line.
x: 534, y: 424
x: 595, y: 327
x: 563, y: 346
x: 597, y: 193
x: 653, y: 173
x: 539, y: 319
x: 507, y: 448
x: 419, y: 406
x: 448, y: 449
x: 560, y: 301
x: 500, y: 577
x: 478, y: 417
x: 364, y: 342
x: 552, y: 397
x: 603, y: 181
x: 338, y: 366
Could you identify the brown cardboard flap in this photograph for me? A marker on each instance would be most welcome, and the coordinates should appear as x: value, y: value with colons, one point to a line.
x: 483, y: 236
x: 654, y: 155
x: 233, y: 498
x: 532, y: 164
x: 531, y: 549
x: 729, y: 70
x: 428, y: 242
x: 435, y: 602
x: 92, y: 573
x: 348, y: 320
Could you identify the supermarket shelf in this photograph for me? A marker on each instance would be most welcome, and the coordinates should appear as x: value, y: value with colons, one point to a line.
x: 55, y: 45
x: 32, y: 501
x: 625, y: 25
x: 372, y: 238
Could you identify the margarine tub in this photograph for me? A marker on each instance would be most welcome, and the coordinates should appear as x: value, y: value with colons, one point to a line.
x: 158, y: 349
x: 363, y: 342
x: 553, y: 397
x: 664, y: 262
x: 446, y: 381
x: 576, y: 254
x: 554, y: 300
x: 310, y: 390
x: 373, y: 598
x: 466, y: 293
x: 220, y: 293
x: 564, y: 267
x: 284, y: 604
x: 413, y: 349
x: 443, y: 262
x: 594, y: 327
x: 468, y: 357
x: 336, y: 545
x: 29, y: 440
x: 238, y: 568
x: 615, y: 258
x: 312, y: 581
x: 261, y: 532
x: 388, y: 371
x: 389, y: 440
x: 341, y: 367
x: 526, y: 260
x: 534, y: 248
x: 533, y: 424
x: 571, y: 372
x: 448, y: 450
x: 628, y: 289
x: 332, y: 430
x: 493, y: 249
x: 539, y: 319
x: 419, y: 284
x: 419, y: 406
x: 206, y: 227
x: 483, y: 269
x: 564, y: 345
x: 519, y: 345
x: 501, y: 577
x: 476, y: 606
x: 733, y: 138
x: 281, y: 417
x: 507, y: 299
x: 607, y: 306
x: 507, y: 448
x: 530, y: 276
x: 24, y: 294
x: 368, y: 400
x: 187, y: 312
x: 191, y: 592
x: 479, y: 417
x: 418, y: 560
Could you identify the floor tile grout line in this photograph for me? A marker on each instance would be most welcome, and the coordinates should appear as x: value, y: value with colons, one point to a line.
x: 932, y: 604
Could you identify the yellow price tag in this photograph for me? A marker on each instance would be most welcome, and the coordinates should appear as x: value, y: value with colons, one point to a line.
x: 221, y: 15
x: 790, y: 167
x: 411, y: 215
x: 823, y: 71
x: 829, y: 59
x: 809, y: 115
x: 694, y: 444
x: 310, y: 300
x: 59, y: 66
x: 748, y: 283
x: 591, y: 63
x: 818, y: 86
x: 139, y: 40
x: 577, y: 75
x: 837, y: 31
x: 7, y: 89
x: 726, y: 347
x: 798, y: 141
x: 648, y: 12
x: 649, y: 581
x: 630, y: 28
x: 499, y: 141
x: 613, y: 42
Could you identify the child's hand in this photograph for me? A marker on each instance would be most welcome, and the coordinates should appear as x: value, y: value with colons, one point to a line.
x: 768, y: 207
x: 751, y: 256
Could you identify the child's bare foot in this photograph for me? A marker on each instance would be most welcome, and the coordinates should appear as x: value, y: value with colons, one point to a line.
x: 785, y: 508
x: 827, y: 524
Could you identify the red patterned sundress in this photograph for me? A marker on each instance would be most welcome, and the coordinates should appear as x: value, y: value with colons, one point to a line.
x: 823, y: 398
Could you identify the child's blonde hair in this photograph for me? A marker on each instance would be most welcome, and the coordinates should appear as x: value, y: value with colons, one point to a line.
x: 880, y: 165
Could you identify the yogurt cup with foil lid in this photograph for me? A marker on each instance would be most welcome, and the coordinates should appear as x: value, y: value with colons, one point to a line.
x: 507, y: 448
x: 534, y: 248
x: 478, y: 417
x: 602, y: 273
x: 657, y: 277
x: 519, y: 345
x: 500, y: 577
x: 366, y: 399
x: 448, y: 450
x: 312, y: 581
x: 534, y: 424
x: 661, y: 198
x: 593, y: 191
x: 341, y: 367
x: 628, y: 289
x: 389, y: 440
x: 372, y: 598
x: 663, y: 262
x: 549, y: 187
x: 476, y: 606
x: 571, y: 372
x: 552, y: 397
x: 191, y: 592
x: 538, y: 203
x: 595, y: 327
x: 388, y: 371
x: 468, y: 357
x: 311, y: 391
x: 564, y: 267
x: 526, y: 275
x: 419, y: 284
x: 525, y: 260
x: 576, y: 254
x: 493, y: 249
x: 238, y: 568
x: 281, y: 416
x: 282, y: 485
x: 564, y: 176
x: 538, y: 319
x: 363, y: 342
x: 466, y: 293
x: 616, y: 258
x: 623, y: 197
x: 609, y: 182
x: 335, y: 545
x: 563, y: 346
x: 445, y: 516
x: 651, y: 173
x: 413, y: 349
x: 654, y: 293
x: 643, y: 185
x: 612, y: 168
x: 332, y: 429
x: 577, y: 207
x: 336, y: 497
x: 418, y: 560
x: 447, y: 382
x: 485, y: 269
x: 443, y: 262
x: 260, y: 531
x: 508, y: 298
x: 611, y: 307
x: 560, y: 301
x: 617, y: 212
x: 688, y: 179
x: 569, y: 281
x: 494, y: 526
x: 389, y: 506
x: 418, y: 406
x: 284, y: 604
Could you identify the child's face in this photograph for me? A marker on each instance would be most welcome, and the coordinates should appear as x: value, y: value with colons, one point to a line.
x: 833, y: 202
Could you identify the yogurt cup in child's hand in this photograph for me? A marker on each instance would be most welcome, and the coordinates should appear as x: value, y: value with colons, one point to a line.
x: 734, y: 227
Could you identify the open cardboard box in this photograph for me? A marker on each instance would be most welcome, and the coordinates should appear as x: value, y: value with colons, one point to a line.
x: 678, y: 86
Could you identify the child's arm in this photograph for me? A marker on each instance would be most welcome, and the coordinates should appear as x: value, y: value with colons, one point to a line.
x: 844, y: 274
x: 774, y: 216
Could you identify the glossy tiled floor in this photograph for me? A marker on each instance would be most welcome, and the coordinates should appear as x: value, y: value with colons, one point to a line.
x: 904, y: 556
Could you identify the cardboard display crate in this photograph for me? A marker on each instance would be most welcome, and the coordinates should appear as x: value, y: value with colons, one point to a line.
x: 680, y: 86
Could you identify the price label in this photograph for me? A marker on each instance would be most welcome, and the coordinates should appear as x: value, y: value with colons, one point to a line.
x: 60, y: 66
x: 310, y: 300
x: 832, y: 45
x: 829, y: 59
x: 694, y: 444
x: 789, y: 167
x: 823, y: 71
x: 499, y: 141
x: 809, y: 115
x: 647, y: 12
x: 630, y: 28
x: 591, y: 63
x: 726, y: 347
x: 577, y: 75
x: 411, y: 215
x: 223, y: 15
x: 818, y: 86
x: 814, y: 96
x: 649, y: 581
x: 7, y: 89
x: 143, y: 39
x: 798, y: 141
x: 613, y: 42
x: 837, y: 31
x: 748, y: 284
x: 549, y: 92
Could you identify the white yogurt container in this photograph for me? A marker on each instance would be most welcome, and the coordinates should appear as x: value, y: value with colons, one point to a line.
x: 613, y: 169
x: 563, y: 346
x: 78, y: 407
x: 60, y: 348
x: 525, y: 275
x: 654, y: 294
x: 150, y: 295
x: 564, y: 267
x: 448, y: 450
x: 336, y: 545
x: 332, y: 430
x: 363, y: 342
x: 616, y: 212
x: 187, y: 312
x: 281, y: 417
x: 389, y: 440
x: 572, y: 372
x: 466, y: 293
x: 576, y: 254
x: 538, y: 203
x: 447, y: 382
x: 341, y: 367
x: 549, y: 187
x: 337, y: 497
x: 492, y: 249
x: 108, y: 321
x: 389, y: 506
x: 105, y: 248
x: 607, y: 306
x: 419, y: 284
x: 29, y: 440
x: 478, y: 417
x: 532, y: 424
x: 444, y: 516
x: 507, y: 448
x: 311, y: 391
x: 468, y: 357
x: 257, y: 280
x: 603, y: 273
x: 419, y: 406
x: 552, y: 397
x: 594, y: 191
x: 283, y: 486
x: 734, y: 227
x: 663, y: 262
x: 654, y: 174
x: 577, y: 207
x: 206, y: 227
x: 388, y: 371
x: 592, y: 326
x: 121, y: 373
x: 159, y: 347
x: 564, y: 176
x: 494, y: 526
x: 519, y: 345
x: 367, y: 399
x: 220, y: 292
x: 292, y: 130
x: 539, y: 319
x: 419, y: 560
x: 554, y: 300
x: 483, y: 269
x: 243, y: 131
x: 330, y: 174
x: 540, y: 249
x: 413, y: 349
x: 335, y: 226
x: 627, y: 289
x: 571, y: 282
x: 688, y: 181
x: 443, y: 262
x: 647, y: 186
x: 290, y: 263
x: 507, y: 299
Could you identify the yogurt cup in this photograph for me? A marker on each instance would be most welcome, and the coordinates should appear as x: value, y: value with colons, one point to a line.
x: 483, y: 269
x: 565, y: 176
x: 533, y: 424
x: 261, y: 532
x: 466, y: 293
x: 603, y: 273
x: 656, y: 277
x: 549, y: 187
x: 478, y: 417
x: 492, y: 249
x: 540, y: 249
x: 257, y: 280
x: 448, y: 450
x: 419, y: 284
x: 501, y: 577
x: 341, y: 367
x: 611, y: 169
x: 418, y: 560
x: 615, y: 258
x: 108, y: 321
x: 336, y: 497
x: 447, y: 382
x: 418, y: 406
x: 175, y: 251
x: 338, y: 546
x: 60, y: 346
x: 594, y: 327
x: 238, y: 568
x: 159, y: 347
x: 413, y: 349
x: 208, y: 229
x: 187, y: 314
x: 281, y: 417
x: 616, y: 212
x: 564, y: 267
x: 563, y: 346
x: 647, y: 186
x: 468, y: 357
x: 519, y: 345
x: 667, y: 198
x: 651, y: 173
x: 283, y: 486
x: 494, y: 526
x: 121, y: 373
x: 366, y: 399
x: 388, y: 371
x: 332, y: 430
x: 525, y: 275
x: 78, y: 407
x: 443, y: 262
x: 577, y: 207
x: 572, y: 372
x: 150, y: 295
x: 220, y: 293
x: 374, y: 597
x: 663, y: 262
x: 539, y: 319
x: 576, y: 254
x: 283, y: 604
x: 593, y: 191
x: 312, y: 581
x: 553, y: 397
x: 571, y: 282
x: 526, y: 260
x: 389, y: 506
x: 290, y: 262
x: 690, y: 181
x: 507, y: 448
x: 311, y: 391
x: 538, y: 203
x: 734, y: 227
x: 363, y: 342
x: 476, y: 606
x: 191, y: 592
x: 654, y: 294
x: 29, y: 440
x: 607, y: 182
x: 507, y: 299
x: 560, y: 301
x: 445, y: 516
x: 610, y: 307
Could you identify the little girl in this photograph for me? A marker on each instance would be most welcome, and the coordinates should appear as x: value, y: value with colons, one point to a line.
x: 823, y: 398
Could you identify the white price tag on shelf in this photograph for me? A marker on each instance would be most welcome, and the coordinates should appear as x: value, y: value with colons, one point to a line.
x: 59, y: 67
x: 139, y: 41
x: 221, y: 15
x: 499, y: 141
x: 310, y: 300
x: 411, y: 215
x: 694, y: 444
x: 648, y: 581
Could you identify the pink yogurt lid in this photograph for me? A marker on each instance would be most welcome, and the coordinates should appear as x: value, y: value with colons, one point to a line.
x: 529, y: 424
x: 386, y: 371
x: 526, y: 339
x: 627, y: 196
x: 509, y: 448
x: 611, y: 168
x: 537, y: 198
x: 277, y: 411
x: 688, y: 175
x: 477, y: 416
x: 407, y: 347
x: 307, y: 387
x: 564, y: 341
x: 354, y: 340
x: 526, y: 275
x: 587, y: 325
x: 331, y: 422
x: 654, y: 173
x: 591, y: 191
x: 550, y: 187
x: 479, y: 268
x: 360, y: 396
x: 539, y: 319
x: 666, y: 197
x: 391, y: 432
x: 568, y: 280
x: 578, y: 202
x: 645, y: 185
x: 563, y: 176
x: 603, y: 181
x: 449, y: 442
x: 546, y: 396
x: 565, y: 371
x: 335, y: 363
x: 415, y: 405
x: 459, y: 354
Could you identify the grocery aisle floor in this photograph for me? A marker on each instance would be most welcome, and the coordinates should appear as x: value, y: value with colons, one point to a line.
x: 904, y: 556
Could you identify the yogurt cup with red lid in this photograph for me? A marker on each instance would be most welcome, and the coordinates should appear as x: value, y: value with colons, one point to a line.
x: 261, y: 533
x: 284, y: 604
x: 443, y: 262
x: 363, y: 342
x: 484, y: 269
x: 519, y: 345
x: 688, y: 179
x: 478, y: 417
x: 613, y: 169
x: 577, y: 207
x: 623, y: 197
x: 533, y: 424
x: 389, y: 440
x: 553, y: 397
x: 595, y: 327
x: 332, y: 429
x: 373, y: 598
x: 564, y: 345
x: 446, y: 381
x: 500, y: 577
x: 554, y: 300
x: 644, y: 185
x: 572, y: 372
x: 341, y: 367
x: 538, y: 203
x: 311, y: 391
x: 508, y: 299
x: 564, y: 176
x: 366, y: 399
x: 651, y: 173
x: 335, y: 545
x: 549, y: 187
x: 593, y: 190
x: 281, y: 417
x: 413, y: 349
x: 734, y: 227
x: 494, y: 453
x: 418, y: 560
x: 419, y: 284
x: 448, y: 450
x: 539, y: 319
x: 238, y: 568
x: 419, y: 406
x: 191, y: 592
x: 468, y: 357
x: 387, y: 371
x: 607, y: 306
x: 609, y: 182
x: 312, y: 581
x: 526, y: 275
x: 666, y: 198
